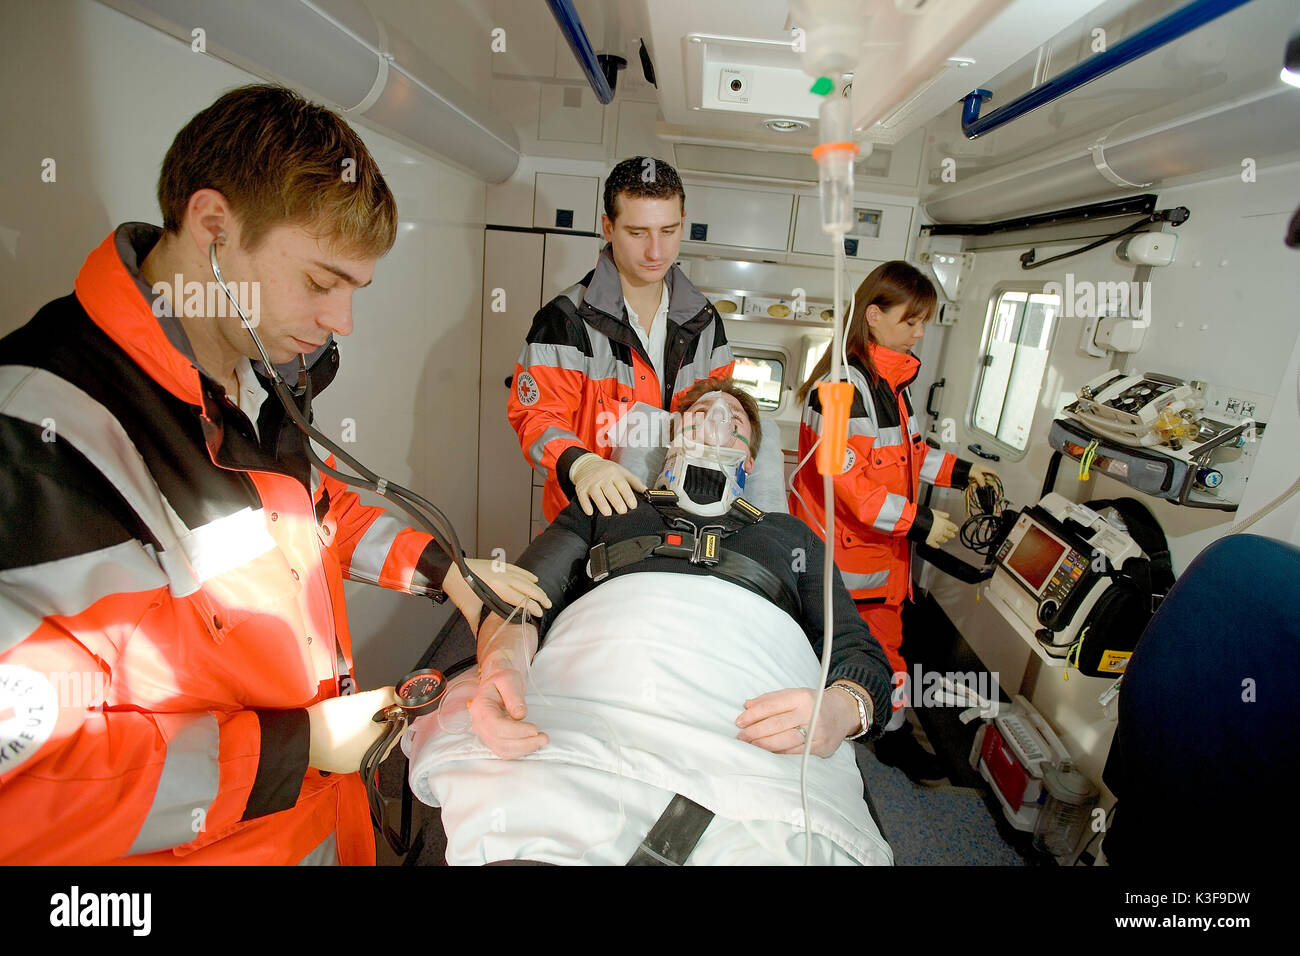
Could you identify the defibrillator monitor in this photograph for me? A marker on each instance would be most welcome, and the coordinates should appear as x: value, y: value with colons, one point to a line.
x: 1052, y: 568
x: 1035, y: 556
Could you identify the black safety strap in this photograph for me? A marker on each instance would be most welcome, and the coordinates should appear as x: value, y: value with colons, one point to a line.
x: 705, y: 550
x: 674, y: 835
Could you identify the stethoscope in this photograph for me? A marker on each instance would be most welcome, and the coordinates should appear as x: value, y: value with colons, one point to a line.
x: 420, y: 691
x: 424, y: 512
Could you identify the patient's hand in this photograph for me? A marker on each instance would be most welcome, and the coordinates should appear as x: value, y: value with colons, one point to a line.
x: 770, y: 721
x: 497, y: 714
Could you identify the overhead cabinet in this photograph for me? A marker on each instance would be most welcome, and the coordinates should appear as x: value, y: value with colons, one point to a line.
x: 745, y: 218
x: 565, y: 202
x: 880, y: 230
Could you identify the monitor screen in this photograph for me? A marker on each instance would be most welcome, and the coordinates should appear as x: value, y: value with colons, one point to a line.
x: 1035, y: 556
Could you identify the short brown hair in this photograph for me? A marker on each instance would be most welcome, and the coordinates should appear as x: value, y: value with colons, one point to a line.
x: 728, y: 385
x: 279, y: 159
x: 641, y: 177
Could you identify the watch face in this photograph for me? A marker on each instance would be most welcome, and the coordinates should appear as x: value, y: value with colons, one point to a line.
x: 420, y: 692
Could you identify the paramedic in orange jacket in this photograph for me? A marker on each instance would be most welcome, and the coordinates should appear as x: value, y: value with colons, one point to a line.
x: 176, y: 674
x: 877, y: 517
x: 634, y: 330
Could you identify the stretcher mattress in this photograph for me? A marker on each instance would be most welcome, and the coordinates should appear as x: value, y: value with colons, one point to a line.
x: 638, y: 685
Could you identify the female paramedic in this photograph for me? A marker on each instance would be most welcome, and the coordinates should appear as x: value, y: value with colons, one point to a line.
x: 876, y: 513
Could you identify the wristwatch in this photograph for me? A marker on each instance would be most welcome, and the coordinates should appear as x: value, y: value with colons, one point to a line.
x: 866, y: 711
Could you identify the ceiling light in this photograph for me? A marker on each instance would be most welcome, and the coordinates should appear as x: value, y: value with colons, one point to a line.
x: 785, y: 125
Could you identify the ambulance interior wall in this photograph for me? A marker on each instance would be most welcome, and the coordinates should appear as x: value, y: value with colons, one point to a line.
x: 1233, y: 287
x: 104, y: 95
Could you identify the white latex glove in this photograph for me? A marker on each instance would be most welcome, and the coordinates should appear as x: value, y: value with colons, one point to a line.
x: 512, y: 584
x: 605, y: 483
x: 343, y: 728
x: 498, y: 710
x: 981, y: 475
x: 941, y: 531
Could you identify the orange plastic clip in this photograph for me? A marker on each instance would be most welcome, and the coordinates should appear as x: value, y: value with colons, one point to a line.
x: 836, y: 400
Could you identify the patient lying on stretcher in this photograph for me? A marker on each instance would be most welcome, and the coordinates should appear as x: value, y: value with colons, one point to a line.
x: 678, y: 657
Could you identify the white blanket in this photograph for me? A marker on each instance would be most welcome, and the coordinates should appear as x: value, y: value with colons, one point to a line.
x: 638, y: 686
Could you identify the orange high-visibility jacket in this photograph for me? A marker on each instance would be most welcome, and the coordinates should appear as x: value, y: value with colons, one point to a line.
x: 171, y: 597
x: 583, y: 366
x: 876, y: 514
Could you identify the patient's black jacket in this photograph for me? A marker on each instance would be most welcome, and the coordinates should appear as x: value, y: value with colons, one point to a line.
x: 782, y: 544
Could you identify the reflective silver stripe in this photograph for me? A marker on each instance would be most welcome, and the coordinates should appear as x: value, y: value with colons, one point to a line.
x: 930, y: 467
x: 568, y: 358
x: 68, y: 586
x: 890, y: 512
x: 889, y: 437
x: 372, y: 550
x: 551, y: 433
x: 189, y: 782
x: 325, y: 854
x: 913, y: 426
x: 701, y: 364
x: 37, y: 396
x: 861, y: 426
x: 863, y: 582
x: 227, y: 543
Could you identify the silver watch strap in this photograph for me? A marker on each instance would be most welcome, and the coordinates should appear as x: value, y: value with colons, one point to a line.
x: 866, y: 711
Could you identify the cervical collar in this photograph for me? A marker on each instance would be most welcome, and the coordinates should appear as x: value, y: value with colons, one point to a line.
x: 706, y: 478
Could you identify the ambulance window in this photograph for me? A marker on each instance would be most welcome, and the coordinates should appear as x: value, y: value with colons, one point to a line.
x: 760, y: 372
x: 1017, y: 339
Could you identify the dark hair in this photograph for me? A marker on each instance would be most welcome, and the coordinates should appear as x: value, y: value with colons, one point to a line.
x: 641, y: 177
x: 728, y: 385
x: 889, y: 284
x: 280, y: 159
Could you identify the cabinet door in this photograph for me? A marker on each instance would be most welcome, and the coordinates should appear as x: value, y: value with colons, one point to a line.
x: 880, y: 232
x: 512, y: 269
x: 565, y: 202
x: 737, y: 217
x: 567, y: 260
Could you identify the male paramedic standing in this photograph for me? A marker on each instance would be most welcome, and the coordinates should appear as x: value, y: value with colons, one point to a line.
x: 634, y: 330
x: 175, y: 664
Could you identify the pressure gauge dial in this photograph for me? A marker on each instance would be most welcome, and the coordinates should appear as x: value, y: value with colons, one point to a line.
x: 420, y: 691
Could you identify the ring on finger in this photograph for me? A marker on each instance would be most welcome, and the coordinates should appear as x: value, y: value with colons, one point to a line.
x: 803, y: 732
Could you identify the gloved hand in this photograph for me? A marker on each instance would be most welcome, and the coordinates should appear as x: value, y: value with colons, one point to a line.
x: 772, y: 720
x: 941, y: 531
x: 342, y: 729
x: 512, y: 584
x: 498, y: 710
x: 981, y: 475
x: 604, y: 482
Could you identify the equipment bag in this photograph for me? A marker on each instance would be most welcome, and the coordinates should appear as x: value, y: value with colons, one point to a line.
x: 1113, y: 626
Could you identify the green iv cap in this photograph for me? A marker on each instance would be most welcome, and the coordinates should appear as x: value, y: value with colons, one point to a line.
x: 824, y: 86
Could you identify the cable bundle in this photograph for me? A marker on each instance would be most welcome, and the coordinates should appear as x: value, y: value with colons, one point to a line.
x: 984, y: 506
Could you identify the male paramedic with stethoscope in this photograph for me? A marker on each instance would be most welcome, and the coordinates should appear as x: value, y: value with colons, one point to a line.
x: 633, y: 331
x: 176, y: 673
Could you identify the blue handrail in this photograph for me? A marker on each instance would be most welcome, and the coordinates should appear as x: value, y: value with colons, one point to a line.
x: 571, y: 26
x: 1171, y: 27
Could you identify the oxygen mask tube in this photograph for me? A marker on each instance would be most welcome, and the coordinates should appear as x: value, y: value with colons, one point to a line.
x: 424, y: 512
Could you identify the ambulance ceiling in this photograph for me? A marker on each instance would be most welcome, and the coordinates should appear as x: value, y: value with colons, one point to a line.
x: 911, y: 67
